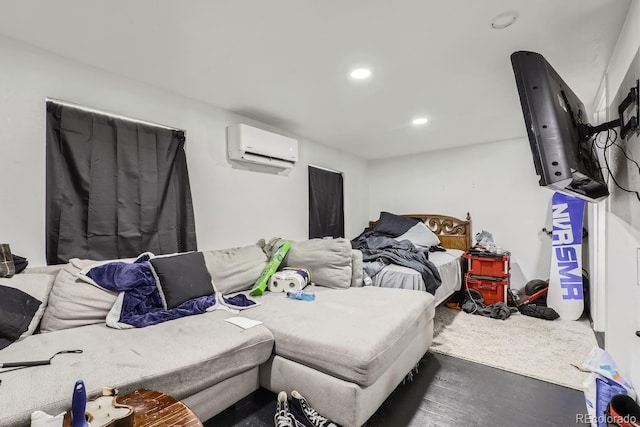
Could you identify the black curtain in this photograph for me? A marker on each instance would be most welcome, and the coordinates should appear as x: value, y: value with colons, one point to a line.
x: 326, y: 206
x: 115, y: 188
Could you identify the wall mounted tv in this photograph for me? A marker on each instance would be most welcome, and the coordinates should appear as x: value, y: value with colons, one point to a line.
x: 559, y: 132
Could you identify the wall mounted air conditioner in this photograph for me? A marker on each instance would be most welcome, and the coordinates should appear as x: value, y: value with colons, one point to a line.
x: 249, y: 144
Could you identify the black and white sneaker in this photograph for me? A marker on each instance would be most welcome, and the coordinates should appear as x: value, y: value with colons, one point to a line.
x: 306, y: 415
x: 284, y: 418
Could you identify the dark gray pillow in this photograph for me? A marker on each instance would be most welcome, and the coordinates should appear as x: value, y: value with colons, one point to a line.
x: 181, y: 277
x: 38, y: 287
x: 394, y: 225
x: 18, y: 309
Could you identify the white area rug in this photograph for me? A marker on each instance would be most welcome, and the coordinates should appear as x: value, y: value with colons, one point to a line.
x: 543, y: 349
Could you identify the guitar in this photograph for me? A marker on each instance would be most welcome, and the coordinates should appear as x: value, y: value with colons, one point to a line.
x: 105, y: 411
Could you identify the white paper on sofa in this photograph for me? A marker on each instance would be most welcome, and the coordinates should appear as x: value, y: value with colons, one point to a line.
x: 42, y: 419
x: 243, y: 322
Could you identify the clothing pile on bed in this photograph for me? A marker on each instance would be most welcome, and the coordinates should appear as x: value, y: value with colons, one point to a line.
x: 403, y: 241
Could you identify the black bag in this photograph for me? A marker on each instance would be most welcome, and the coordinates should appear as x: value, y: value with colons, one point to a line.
x: 20, y: 263
x: 7, y: 268
x: 539, y: 311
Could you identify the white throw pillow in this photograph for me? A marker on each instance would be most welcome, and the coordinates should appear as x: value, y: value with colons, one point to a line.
x: 420, y: 235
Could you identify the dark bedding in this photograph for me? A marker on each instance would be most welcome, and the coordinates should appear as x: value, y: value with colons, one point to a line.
x: 379, y: 250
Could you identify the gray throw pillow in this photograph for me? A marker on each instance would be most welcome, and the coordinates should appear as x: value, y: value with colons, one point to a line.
x: 327, y: 260
x: 236, y: 269
x: 74, y: 302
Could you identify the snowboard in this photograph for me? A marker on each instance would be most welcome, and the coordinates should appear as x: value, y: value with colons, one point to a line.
x: 566, y: 294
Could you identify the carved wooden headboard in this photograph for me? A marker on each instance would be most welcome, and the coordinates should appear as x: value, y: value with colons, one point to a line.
x: 454, y: 233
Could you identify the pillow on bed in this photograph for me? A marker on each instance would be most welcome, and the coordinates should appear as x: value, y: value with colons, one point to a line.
x: 394, y: 225
x: 181, y: 277
x: 420, y: 235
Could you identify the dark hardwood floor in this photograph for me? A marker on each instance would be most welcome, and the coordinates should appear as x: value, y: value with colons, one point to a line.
x: 447, y: 392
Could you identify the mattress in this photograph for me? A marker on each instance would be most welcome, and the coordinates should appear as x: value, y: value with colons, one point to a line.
x: 449, y: 264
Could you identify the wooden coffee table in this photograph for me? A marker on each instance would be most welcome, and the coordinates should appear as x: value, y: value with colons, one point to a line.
x: 154, y: 409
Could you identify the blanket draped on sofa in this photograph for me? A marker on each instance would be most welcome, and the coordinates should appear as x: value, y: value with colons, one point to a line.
x: 139, y: 303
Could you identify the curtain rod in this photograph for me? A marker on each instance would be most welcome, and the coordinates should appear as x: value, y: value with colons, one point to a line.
x: 326, y: 169
x: 108, y: 113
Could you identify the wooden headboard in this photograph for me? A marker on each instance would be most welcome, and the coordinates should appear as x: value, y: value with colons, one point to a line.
x: 454, y: 233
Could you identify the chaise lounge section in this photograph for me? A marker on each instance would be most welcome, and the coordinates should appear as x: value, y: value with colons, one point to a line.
x: 347, y: 350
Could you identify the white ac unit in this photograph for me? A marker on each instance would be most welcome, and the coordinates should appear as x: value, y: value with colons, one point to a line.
x: 249, y: 144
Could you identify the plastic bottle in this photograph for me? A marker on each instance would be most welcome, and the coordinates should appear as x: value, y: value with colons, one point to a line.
x: 311, y: 289
x: 301, y: 295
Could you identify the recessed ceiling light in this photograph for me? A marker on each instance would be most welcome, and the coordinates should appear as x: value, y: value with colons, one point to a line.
x: 419, y: 121
x: 505, y: 19
x: 360, y: 73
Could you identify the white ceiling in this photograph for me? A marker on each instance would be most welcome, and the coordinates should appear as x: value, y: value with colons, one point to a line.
x: 286, y: 62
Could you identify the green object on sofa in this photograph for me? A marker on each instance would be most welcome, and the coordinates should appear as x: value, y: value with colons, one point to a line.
x: 276, y: 259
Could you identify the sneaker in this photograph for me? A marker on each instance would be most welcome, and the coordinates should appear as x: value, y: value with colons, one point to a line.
x: 622, y: 411
x: 284, y: 418
x: 308, y: 416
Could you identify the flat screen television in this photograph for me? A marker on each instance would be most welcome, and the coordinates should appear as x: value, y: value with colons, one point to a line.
x: 558, y: 127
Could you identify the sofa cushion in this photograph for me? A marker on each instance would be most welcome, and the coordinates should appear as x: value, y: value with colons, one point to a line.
x: 210, y: 350
x: 181, y: 277
x: 74, y: 302
x: 354, y: 334
x: 235, y: 269
x: 35, y: 286
x: 327, y: 260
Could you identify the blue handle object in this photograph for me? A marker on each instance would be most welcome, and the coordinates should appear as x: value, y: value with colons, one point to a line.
x: 302, y: 295
x: 79, y: 405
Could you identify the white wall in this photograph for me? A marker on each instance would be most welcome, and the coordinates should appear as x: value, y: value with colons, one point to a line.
x: 623, y: 222
x: 495, y: 182
x: 232, y: 207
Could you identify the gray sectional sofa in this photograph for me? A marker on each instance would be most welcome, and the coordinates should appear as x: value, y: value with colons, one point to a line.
x: 345, y: 352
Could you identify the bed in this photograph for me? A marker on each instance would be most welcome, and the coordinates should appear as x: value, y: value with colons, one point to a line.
x: 455, y: 237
